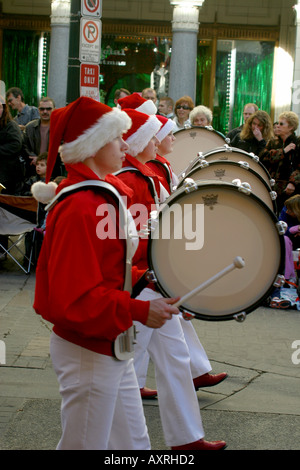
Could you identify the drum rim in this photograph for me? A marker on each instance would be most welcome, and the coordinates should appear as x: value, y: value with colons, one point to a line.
x: 216, y: 162
x: 259, y: 302
x: 208, y: 128
x: 220, y: 149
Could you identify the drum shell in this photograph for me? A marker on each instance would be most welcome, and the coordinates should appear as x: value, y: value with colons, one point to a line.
x: 227, y: 171
x: 189, y: 142
x: 250, y: 233
x: 232, y: 154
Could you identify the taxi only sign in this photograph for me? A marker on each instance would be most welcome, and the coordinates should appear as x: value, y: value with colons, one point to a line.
x: 89, y: 80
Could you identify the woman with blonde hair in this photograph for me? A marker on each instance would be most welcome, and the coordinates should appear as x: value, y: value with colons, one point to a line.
x: 201, y: 116
x: 256, y: 132
x: 183, y: 107
x: 281, y: 155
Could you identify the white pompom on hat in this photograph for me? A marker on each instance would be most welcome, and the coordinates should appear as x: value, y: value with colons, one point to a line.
x: 78, y: 131
x: 168, y: 126
x: 137, y: 102
x: 143, y: 128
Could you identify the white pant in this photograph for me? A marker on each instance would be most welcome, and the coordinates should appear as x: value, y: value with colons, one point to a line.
x: 178, y: 402
x: 101, y: 403
x: 199, y: 361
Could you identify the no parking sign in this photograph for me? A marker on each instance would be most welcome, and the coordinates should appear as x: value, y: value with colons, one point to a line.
x: 90, y: 40
x: 91, y: 8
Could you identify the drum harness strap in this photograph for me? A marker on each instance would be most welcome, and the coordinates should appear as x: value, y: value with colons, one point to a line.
x: 143, y: 281
x: 167, y: 169
x: 124, y: 343
x: 152, y: 185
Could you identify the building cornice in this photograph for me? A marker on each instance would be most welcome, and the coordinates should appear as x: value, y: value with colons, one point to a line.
x: 206, y: 31
x: 150, y: 29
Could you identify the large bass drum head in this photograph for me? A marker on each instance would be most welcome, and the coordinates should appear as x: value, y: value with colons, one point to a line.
x: 186, y: 250
x: 191, y: 141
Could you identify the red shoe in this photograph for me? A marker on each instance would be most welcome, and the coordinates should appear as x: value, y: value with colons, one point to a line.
x: 209, y: 380
x: 148, y: 393
x: 202, y: 445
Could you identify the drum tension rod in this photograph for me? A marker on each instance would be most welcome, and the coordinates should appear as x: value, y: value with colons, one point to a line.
x: 240, y: 317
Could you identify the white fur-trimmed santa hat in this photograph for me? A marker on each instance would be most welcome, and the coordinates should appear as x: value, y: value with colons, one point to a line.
x: 167, y: 126
x: 137, y: 102
x: 78, y: 131
x: 143, y: 128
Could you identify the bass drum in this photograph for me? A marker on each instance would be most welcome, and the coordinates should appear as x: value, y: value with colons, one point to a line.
x: 189, y: 142
x: 225, y: 170
x: 200, y: 232
x: 235, y: 155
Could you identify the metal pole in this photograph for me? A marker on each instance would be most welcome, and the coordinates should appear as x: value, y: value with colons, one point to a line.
x: 73, y: 85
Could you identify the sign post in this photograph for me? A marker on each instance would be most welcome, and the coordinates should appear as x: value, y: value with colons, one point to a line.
x: 90, y: 47
x: 73, y: 60
x: 84, y: 49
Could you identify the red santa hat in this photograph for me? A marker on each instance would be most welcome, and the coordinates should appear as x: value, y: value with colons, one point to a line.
x: 143, y: 128
x: 78, y: 131
x: 167, y: 126
x: 137, y: 102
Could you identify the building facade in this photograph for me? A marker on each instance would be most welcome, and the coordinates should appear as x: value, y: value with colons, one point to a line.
x: 222, y: 53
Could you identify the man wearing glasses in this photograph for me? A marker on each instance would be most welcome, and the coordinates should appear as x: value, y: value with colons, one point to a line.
x: 36, y: 136
x: 26, y: 113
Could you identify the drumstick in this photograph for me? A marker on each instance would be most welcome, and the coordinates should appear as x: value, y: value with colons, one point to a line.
x: 238, y: 262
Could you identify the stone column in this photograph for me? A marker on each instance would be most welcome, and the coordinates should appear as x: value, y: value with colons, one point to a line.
x: 185, y: 27
x: 59, y: 51
x: 296, y: 79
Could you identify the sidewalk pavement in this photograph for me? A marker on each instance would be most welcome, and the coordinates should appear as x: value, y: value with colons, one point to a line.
x: 256, y: 408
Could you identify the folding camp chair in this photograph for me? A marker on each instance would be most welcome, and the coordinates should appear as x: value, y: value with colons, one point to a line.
x: 18, y: 216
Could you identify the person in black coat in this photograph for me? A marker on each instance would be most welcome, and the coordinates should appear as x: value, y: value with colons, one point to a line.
x: 11, y: 171
x: 281, y: 155
x: 11, y: 168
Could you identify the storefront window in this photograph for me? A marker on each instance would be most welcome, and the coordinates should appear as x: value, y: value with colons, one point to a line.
x: 244, y: 72
x: 129, y: 63
x: 204, y: 63
x: 28, y: 63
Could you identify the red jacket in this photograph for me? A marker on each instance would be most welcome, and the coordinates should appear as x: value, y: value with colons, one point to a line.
x: 142, y: 195
x: 162, y: 167
x: 80, y: 277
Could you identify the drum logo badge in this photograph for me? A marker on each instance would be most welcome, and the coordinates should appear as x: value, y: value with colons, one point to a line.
x: 210, y: 200
x: 193, y: 134
x: 219, y: 173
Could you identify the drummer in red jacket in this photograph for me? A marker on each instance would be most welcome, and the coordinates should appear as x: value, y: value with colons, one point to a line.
x: 179, y: 408
x: 80, y: 281
x: 200, y: 364
x: 160, y: 166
